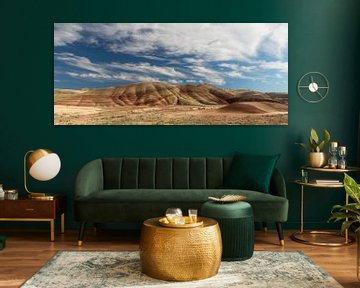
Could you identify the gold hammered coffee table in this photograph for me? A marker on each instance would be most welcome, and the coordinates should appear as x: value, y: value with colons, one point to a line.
x: 180, y: 254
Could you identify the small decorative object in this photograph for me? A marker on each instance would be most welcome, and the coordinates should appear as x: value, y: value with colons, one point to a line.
x: 313, y: 87
x: 333, y: 162
x: 173, y: 215
x: 186, y: 224
x: 43, y: 165
x: 11, y: 194
x: 179, y: 220
x: 304, y: 176
x: 349, y: 214
x: 193, y: 215
x: 228, y: 198
x: 317, y: 158
x: 2, y: 192
x: 342, y: 154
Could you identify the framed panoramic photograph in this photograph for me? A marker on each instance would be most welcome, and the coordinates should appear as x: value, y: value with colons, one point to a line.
x: 170, y: 73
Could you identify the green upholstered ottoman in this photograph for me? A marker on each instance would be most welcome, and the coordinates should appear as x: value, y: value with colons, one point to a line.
x: 236, y: 221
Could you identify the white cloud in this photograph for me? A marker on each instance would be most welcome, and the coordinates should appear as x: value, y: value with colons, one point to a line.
x: 237, y: 71
x: 274, y: 65
x: 66, y: 33
x: 234, y: 74
x: 210, y: 75
x: 135, y: 77
x: 141, y: 71
x: 89, y: 75
x: 276, y: 42
x: 206, y: 41
x: 148, y: 68
x: 173, y: 81
x: 79, y: 62
x: 120, y: 76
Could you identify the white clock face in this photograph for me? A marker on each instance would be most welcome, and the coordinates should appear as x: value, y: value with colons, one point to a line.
x: 313, y: 87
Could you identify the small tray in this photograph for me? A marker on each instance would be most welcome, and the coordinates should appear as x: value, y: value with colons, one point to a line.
x: 164, y: 222
x: 228, y: 198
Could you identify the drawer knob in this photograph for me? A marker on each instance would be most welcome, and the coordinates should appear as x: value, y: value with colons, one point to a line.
x: 29, y: 209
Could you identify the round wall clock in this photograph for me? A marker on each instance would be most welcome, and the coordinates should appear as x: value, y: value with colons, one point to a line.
x: 313, y: 87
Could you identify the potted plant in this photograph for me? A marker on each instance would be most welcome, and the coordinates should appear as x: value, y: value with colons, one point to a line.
x: 350, y: 214
x: 317, y: 157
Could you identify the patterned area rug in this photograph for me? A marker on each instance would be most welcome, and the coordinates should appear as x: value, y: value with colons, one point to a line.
x: 122, y: 269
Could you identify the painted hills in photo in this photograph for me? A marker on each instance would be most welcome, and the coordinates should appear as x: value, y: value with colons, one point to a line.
x: 164, y: 103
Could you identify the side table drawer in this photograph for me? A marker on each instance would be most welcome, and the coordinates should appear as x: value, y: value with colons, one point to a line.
x: 30, y: 209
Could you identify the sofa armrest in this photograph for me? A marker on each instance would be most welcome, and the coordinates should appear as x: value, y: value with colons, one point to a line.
x: 89, y: 179
x: 277, y: 184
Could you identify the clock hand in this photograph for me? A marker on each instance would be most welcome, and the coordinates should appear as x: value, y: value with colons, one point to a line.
x: 312, y: 82
x: 319, y: 94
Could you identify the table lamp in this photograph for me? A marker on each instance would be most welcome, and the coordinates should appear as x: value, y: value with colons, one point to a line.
x: 43, y: 165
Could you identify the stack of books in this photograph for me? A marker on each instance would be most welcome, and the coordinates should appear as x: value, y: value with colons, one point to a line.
x: 328, y: 181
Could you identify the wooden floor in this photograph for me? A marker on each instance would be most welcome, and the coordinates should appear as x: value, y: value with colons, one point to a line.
x: 28, y: 250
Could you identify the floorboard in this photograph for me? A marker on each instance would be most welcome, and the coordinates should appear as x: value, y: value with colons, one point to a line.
x: 28, y: 250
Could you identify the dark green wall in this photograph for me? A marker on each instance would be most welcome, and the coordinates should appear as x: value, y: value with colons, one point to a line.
x: 323, y: 36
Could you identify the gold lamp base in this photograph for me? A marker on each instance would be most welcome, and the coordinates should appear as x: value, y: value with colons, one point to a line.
x: 41, y: 196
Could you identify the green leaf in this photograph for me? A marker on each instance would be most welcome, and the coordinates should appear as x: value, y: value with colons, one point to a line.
x: 350, y: 207
x: 336, y: 216
x: 306, y: 146
x: 346, y: 225
x: 314, y: 135
x: 352, y: 188
x: 326, y: 136
x: 312, y: 145
x: 321, y: 146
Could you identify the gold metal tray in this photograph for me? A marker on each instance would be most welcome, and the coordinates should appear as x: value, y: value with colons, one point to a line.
x: 228, y: 198
x: 165, y: 222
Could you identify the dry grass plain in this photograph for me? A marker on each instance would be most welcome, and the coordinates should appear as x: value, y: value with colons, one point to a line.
x: 248, y: 113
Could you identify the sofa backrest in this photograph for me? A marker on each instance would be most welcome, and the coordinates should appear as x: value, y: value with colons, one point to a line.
x: 164, y: 173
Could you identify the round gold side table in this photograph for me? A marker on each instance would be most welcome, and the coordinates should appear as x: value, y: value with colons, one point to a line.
x: 180, y: 254
x: 312, y: 234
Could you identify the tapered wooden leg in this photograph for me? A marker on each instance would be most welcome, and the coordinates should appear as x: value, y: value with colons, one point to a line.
x: 265, y: 227
x: 280, y: 233
x: 63, y: 223
x: 52, y: 230
x: 81, y: 233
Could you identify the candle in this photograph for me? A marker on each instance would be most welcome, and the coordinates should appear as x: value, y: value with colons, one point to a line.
x: 342, y: 149
x: 333, y: 144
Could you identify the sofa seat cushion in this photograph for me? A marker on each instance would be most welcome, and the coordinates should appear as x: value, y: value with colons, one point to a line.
x: 266, y: 207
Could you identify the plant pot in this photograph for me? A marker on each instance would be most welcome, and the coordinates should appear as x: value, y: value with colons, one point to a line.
x: 317, y: 159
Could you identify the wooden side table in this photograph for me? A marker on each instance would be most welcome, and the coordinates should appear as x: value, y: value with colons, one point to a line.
x: 26, y: 209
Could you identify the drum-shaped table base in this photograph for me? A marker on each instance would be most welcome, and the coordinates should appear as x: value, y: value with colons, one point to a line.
x: 180, y: 254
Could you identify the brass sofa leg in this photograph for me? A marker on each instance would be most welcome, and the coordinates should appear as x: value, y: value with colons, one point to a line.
x: 280, y: 233
x: 81, y: 233
x: 265, y: 227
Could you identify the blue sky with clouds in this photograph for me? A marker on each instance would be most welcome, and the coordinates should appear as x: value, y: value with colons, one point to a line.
x: 227, y: 55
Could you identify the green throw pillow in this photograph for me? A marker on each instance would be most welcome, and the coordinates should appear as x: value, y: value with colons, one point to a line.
x: 251, y: 172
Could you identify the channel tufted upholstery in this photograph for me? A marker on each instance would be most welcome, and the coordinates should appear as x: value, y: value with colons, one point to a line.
x: 131, y: 190
x: 164, y: 173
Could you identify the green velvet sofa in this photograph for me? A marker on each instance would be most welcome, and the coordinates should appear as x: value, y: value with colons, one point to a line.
x: 130, y: 190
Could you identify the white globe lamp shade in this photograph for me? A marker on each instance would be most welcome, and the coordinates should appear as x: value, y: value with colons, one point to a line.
x: 44, y: 166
